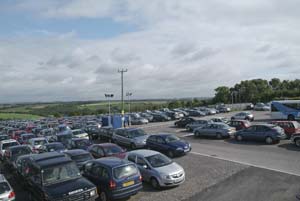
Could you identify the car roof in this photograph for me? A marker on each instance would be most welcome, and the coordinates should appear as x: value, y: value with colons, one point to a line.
x: 48, y: 159
x: 162, y: 134
x: 112, y: 162
x: 37, y: 138
x: 105, y: 144
x: 144, y: 152
x: 75, y: 152
x: 8, y: 141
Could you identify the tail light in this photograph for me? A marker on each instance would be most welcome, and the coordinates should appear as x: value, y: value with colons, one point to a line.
x: 112, y: 184
x: 11, y: 195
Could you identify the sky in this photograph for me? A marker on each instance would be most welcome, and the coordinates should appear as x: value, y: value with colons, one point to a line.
x: 67, y: 50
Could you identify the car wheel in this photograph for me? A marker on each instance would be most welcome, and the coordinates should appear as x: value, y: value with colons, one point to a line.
x: 291, y: 117
x: 219, y: 136
x: 132, y: 146
x: 103, y: 196
x: 297, y: 142
x: 239, y: 138
x: 269, y: 140
x: 154, y: 183
x: 170, y: 153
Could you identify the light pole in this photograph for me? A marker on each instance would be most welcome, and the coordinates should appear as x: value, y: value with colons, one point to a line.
x: 109, y: 96
x: 122, y: 71
x: 128, y: 94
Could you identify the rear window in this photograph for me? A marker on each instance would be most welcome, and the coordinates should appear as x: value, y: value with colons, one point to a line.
x: 4, y: 187
x: 125, y: 171
x: 10, y: 144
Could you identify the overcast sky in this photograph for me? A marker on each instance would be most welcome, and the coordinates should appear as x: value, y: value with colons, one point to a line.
x: 72, y: 49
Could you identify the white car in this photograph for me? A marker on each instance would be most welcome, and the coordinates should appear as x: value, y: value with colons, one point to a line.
x: 243, y: 116
x: 6, y: 191
x: 36, y: 143
x: 78, y: 133
x: 4, y: 144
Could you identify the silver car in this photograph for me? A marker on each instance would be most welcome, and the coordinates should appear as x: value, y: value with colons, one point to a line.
x: 243, y: 116
x: 131, y: 137
x: 157, y: 168
x: 218, y: 130
x: 196, y: 124
x: 6, y: 191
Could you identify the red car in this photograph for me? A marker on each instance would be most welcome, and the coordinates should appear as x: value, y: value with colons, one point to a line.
x: 17, y: 134
x: 239, y: 124
x: 106, y: 150
x: 290, y: 127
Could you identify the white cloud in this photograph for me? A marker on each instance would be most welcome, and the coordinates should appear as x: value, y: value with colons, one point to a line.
x: 183, y: 49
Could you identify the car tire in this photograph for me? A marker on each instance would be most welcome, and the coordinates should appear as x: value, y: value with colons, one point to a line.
x: 297, y: 142
x: 219, y: 136
x: 103, y: 196
x: 239, y: 138
x: 154, y: 183
x: 170, y: 153
x: 291, y: 117
x: 269, y: 140
x: 132, y: 146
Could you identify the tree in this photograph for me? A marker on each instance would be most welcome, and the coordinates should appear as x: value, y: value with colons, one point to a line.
x: 222, y: 95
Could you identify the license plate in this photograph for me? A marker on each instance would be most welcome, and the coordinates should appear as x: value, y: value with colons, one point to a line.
x: 128, y: 183
x: 186, y: 150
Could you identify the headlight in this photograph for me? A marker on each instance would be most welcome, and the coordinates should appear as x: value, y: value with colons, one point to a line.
x: 92, y: 193
x: 167, y: 176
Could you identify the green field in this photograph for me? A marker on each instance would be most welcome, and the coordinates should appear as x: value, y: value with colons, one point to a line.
x: 5, y: 116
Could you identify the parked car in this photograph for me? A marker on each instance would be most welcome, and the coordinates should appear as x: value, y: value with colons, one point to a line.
x: 224, y: 109
x: 159, y: 117
x: 115, y: 178
x: 268, y: 133
x: 4, y: 144
x: 36, y: 143
x: 239, y: 124
x: 106, y: 150
x: 147, y: 116
x: 13, y: 152
x: 24, y: 138
x: 250, y: 106
x: 53, y: 146
x: 78, y: 133
x: 261, y: 107
x: 136, y: 119
x: 64, y: 138
x: 195, y: 113
x: 218, y: 130
x: 4, y: 137
x: 220, y: 120
x: 157, y: 168
x: 6, y: 191
x: 295, y: 138
x: 79, y: 143
x: 79, y: 156
x: 243, y: 116
x: 197, y: 123
x: 132, y: 137
x: 53, y: 176
x: 105, y: 133
x: 289, y: 127
x: 184, y: 121
x: 169, y: 144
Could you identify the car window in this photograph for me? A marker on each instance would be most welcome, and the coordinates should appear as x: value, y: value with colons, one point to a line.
x: 94, y: 149
x: 125, y: 171
x: 160, y: 140
x: 100, y: 151
x: 132, y: 158
x: 88, y: 166
x: 96, y: 170
x: 140, y: 161
x: 4, y: 187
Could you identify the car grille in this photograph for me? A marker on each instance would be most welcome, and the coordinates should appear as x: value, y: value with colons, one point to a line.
x: 178, y: 175
x: 82, y: 196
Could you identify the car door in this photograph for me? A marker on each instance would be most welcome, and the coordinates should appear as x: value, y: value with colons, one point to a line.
x: 152, y: 142
x: 144, y: 168
x: 211, y: 130
x: 248, y: 133
x: 161, y: 144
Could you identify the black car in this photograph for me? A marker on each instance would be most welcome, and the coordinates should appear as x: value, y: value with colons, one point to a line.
x: 105, y: 133
x: 12, y: 153
x: 4, y: 137
x: 54, y: 177
x: 183, y: 122
x: 159, y: 117
x: 79, y: 156
x: 115, y: 178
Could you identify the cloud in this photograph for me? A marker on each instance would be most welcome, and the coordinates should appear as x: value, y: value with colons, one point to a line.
x: 181, y: 49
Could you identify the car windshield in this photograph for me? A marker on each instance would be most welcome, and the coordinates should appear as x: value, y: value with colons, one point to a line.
x: 110, y: 150
x: 10, y: 144
x: 21, y: 151
x: 124, y: 171
x: 82, y: 157
x: 54, y: 147
x: 83, y: 143
x: 40, y: 142
x: 158, y: 160
x: 137, y: 133
x: 172, y: 138
x: 60, y: 173
x: 4, y: 187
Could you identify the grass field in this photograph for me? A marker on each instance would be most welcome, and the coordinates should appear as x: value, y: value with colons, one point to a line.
x: 18, y: 116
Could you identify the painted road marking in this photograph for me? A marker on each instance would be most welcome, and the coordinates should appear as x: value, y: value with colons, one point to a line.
x: 245, y: 163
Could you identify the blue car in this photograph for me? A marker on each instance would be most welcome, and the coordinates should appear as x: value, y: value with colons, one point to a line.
x: 169, y: 144
x: 115, y: 178
x: 268, y: 133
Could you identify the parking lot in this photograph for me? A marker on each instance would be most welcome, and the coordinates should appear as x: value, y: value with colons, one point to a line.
x: 224, y: 169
